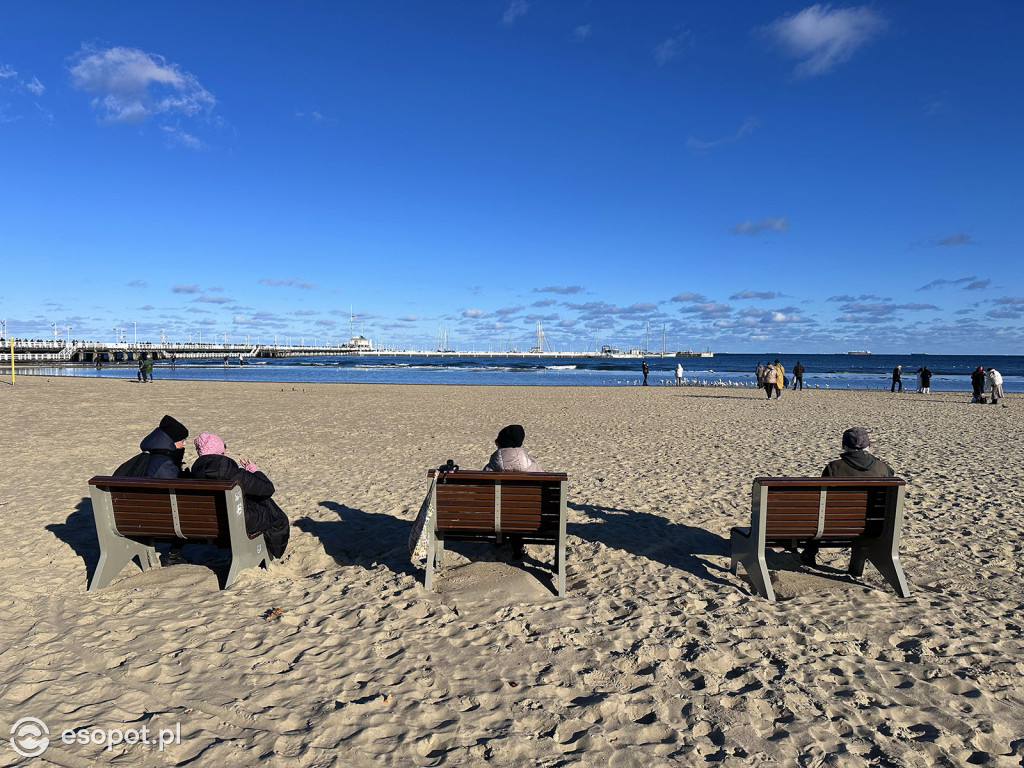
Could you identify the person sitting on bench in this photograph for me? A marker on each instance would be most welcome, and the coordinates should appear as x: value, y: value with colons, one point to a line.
x: 512, y: 457
x: 262, y: 514
x: 856, y: 460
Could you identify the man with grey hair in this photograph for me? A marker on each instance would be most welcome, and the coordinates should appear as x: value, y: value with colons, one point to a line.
x: 856, y: 460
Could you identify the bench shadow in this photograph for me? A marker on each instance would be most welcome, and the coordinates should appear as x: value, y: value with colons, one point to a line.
x: 79, y: 533
x: 362, y: 538
x: 652, y: 536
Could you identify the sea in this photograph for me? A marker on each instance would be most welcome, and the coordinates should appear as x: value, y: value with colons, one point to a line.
x: 949, y: 372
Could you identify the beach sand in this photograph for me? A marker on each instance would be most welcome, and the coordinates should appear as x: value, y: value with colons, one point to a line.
x: 656, y: 656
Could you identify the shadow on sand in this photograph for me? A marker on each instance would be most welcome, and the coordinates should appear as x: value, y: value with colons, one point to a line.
x: 79, y: 533
x: 362, y: 538
x: 652, y: 536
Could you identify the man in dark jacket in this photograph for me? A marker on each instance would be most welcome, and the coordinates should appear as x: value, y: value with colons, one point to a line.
x: 262, y: 514
x: 978, y: 385
x: 163, y: 454
x: 798, y: 375
x: 855, y: 461
x: 897, y: 378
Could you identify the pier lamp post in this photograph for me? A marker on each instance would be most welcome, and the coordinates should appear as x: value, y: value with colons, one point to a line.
x: 3, y: 329
x: 67, y: 339
x: 135, y: 328
x: 200, y: 337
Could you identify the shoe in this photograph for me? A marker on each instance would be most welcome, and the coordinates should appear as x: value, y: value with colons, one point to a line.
x: 175, y: 558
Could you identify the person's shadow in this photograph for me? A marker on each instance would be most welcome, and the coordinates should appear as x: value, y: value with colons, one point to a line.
x: 362, y: 538
x: 79, y: 532
x: 652, y: 536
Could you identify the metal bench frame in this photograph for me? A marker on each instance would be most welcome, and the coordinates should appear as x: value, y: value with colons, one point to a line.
x: 226, y: 527
x: 501, y: 522
x: 875, y: 539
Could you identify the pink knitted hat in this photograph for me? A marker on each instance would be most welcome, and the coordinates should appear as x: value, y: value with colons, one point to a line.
x: 207, y: 443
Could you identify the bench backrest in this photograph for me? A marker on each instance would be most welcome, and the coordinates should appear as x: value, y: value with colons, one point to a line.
x: 836, y: 508
x: 506, y: 502
x: 156, y: 507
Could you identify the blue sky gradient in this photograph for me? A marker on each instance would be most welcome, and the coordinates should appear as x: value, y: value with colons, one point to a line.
x: 746, y: 176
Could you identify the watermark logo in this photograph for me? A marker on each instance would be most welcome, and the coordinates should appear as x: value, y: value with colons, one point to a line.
x: 30, y: 737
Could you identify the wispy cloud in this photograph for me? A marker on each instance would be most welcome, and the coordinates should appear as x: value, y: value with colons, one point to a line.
x: 545, y: 303
x: 35, y: 86
x: 958, y: 238
x: 294, y: 282
x: 779, y: 224
x: 137, y: 284
x: 699, y: 146
x: 473, y: 313
x: 132, y: 86
x: 696, y: 298
x: 178, y: 137
x: 581, y: 33
x: 971, y: 283
x: 515, y: 10
x: 564, y: 290
x: 315, y: 116
x: 708, y: 309
x: 214, y: 300
x: 753, y: 295
x: 824, y: 37
x: 672, y: 48
x: 180, y: 288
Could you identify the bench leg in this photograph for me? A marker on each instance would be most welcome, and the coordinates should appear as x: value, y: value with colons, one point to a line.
x: 428, y: 574
x: 115, y: 553
x: 884, y: 557
x: 246, y: 554
x: 744, y: 550
x: 560, y: 566
x: 440, y: 550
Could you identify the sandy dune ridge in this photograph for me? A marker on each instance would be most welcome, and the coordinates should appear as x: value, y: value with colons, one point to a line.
x: 656, y: 656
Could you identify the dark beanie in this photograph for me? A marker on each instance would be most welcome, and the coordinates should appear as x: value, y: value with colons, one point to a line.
x: 511, y: 436
x: 174, y: 428
x: 855, y: 439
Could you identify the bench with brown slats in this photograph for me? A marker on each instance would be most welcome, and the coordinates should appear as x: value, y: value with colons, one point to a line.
x: 486, y: 506
x: 133, y: 513
x: 864, y: 514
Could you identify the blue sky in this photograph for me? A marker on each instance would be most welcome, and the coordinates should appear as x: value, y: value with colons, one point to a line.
x: 746, y: 176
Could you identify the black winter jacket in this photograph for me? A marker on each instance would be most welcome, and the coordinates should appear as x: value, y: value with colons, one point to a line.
x: 262, y: 514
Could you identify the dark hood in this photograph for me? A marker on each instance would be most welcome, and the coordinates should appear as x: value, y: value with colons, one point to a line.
x: 159, y: 443
x: 214, y: 466
x: 859, y: 460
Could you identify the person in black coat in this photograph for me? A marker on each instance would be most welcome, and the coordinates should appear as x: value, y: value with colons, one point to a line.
x: 262, y: 514
x: 978, y: 385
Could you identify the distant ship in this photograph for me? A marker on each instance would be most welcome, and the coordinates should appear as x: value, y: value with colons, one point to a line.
x: 692, y: 353
x: 859, y: 352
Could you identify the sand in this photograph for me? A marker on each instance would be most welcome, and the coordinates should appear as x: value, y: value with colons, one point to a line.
x: 656, y: 656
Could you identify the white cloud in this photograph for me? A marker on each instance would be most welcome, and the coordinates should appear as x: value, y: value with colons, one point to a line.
x: 672, y: 48
x: 581, y: 33
x: 515, y: 9
x: 748, y: 125
x: 824, y: 37
x: 35, y: 86
x: 132, y: 86
x: 473, y: 313
x: 179, y: 137
x: 7, y: 72
x: 780, y: 224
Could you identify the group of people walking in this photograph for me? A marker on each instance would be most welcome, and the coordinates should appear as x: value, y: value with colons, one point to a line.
x: 771, y: 377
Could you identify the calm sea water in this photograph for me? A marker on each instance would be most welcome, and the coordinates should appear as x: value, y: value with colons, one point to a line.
x: 950, y: 372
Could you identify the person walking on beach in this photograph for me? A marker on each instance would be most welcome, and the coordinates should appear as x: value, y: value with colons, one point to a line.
x: 926, y: 380
x: 919, y: 385
x: 855, y: 460
x: 978, y: 379
x: 995, y: 383
x: 780, y: 378
x: 262, y: 514
x: 896, y: 380
x: 645, y: 369
x: 770, y: 374
x: 798, y: 375
x: 759, y: 373
x: 139, y: 374
x: 147, y: 368
x: 679, y: 374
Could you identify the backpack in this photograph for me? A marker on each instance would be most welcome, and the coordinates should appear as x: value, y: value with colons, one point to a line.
x: 134, y: 467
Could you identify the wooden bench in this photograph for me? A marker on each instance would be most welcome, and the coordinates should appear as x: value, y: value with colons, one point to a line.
x: 132, y: 513
x: 485, y: 506
x: 864, y: 514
